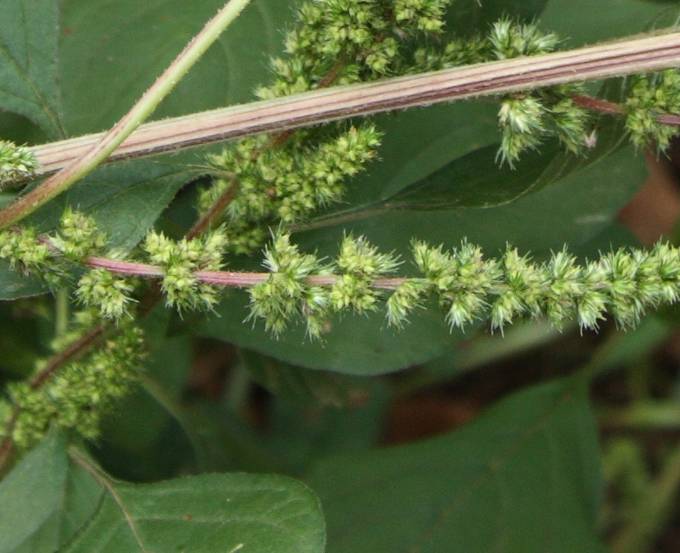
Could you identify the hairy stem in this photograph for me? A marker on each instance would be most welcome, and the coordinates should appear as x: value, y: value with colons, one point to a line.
x: 633, y: 56
x: 226, y: 279
x: 98, y: 150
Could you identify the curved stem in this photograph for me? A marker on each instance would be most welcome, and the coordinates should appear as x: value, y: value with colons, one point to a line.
x: 94, y: 154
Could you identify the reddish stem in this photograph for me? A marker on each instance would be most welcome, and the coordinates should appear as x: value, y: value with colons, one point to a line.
x: 611, y: 108
x: 226, y: 279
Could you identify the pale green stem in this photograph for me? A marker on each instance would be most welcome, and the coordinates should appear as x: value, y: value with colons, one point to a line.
x: 148, y: 103
x: 61, y: 316
x: 644, y: 415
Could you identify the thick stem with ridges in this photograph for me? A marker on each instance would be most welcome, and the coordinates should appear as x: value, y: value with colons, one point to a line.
x: 321, y: 106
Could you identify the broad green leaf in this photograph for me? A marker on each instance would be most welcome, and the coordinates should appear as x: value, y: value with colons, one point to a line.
x: 45, y: 500
x: 302, y: 435
x: 14, y: 285
x: 583, y: 21
x: 474, y: 178
x: 462, y: 183
x: 113, y: 51
x: 58, y: 499
x: 203, y: 514
x: 29, y: 31
x: 418, y: 142
x: 125, y: 199
x: 523, y: 477
x: 304, y: 387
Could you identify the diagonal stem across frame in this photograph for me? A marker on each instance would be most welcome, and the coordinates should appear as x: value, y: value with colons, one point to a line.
x: 621, y: 58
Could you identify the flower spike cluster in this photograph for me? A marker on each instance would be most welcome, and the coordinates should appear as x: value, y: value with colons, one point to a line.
x: 298, y: 286
x: 651, y: 96
x: 283, y: 180
x: 526, y: 119
x: 469, y: 287
x: 180, y: 261
x: 288, y: 184
x: 286, y: 293
x: 78, y: 395
x: 17, y: 163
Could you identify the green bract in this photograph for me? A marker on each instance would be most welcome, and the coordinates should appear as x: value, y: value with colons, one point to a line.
x: 17, y: 163
x: 180, y: 260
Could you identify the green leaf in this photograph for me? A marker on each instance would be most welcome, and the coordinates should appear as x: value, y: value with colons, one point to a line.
x: 462, y: 183
x: 45, y: 500
x: 524, y: 477
x: 474, y: 178
x: 58, y: 499
x: 301, y: 436
x: 474, y: 16
x: 113, y: 51
x: 203, y: 514
x: 580, y: 21
x: 304, y: 387
x: 125, y: 199
x: 28, y: 62
x: 418, y: 142
x: 14, y: 285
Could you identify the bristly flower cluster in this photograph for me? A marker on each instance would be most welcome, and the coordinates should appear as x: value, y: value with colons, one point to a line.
x: 469, y: 287
x: 623, y: 283
x: 180, y: 261
x: 80, y: 393
x: 526, y: 119
x: 651, y: 96
x: 300, y: 286
x: 286, y: 184
x: 287, y: 294
x: 17, y: 163
x: 285, y: 179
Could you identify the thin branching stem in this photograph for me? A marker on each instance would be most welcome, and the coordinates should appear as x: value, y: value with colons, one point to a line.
x: 226, y: 279
x: 96, y: 151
